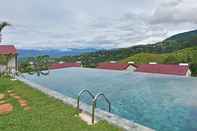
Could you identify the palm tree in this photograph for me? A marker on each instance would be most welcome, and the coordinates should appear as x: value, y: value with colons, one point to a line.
x: 2, y: 26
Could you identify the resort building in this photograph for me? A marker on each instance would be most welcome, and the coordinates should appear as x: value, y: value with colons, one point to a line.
x: 171, y: 69
x: 9, y: 53
x: 64, y: 65
x: 116, y: 66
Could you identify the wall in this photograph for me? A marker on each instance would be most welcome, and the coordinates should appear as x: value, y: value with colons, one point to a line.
x: 188, y: 74
x: 131, y: 68
x: 2, y: 68
x: 12, y: 63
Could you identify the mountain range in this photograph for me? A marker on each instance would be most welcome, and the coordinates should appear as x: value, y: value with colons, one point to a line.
x: 55, y: 53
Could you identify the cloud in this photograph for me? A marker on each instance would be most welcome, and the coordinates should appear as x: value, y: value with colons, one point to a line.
x: 175, y: 12
x: 108, y: 24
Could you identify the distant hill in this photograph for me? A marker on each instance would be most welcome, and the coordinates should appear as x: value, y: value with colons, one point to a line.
x: 183, y: 36
x: 24, y: 53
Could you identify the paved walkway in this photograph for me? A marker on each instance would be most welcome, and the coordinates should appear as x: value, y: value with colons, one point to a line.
x: 6, y: 107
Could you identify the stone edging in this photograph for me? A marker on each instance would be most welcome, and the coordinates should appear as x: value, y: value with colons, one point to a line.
x: 125, y: 124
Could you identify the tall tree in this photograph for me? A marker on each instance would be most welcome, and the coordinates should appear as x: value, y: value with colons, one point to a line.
x: 2, y: 26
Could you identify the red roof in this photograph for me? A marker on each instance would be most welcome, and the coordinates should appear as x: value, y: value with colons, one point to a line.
x: 112, y: 66
x: 7, y: 49
x: 64, y: 65
x: 163, y: 69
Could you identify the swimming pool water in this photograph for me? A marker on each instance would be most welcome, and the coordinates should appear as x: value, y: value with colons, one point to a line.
x: 161, y: 102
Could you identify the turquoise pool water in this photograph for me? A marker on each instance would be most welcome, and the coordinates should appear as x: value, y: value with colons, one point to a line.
x: 161, y: 102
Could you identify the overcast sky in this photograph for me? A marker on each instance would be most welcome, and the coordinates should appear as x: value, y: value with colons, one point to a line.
x: 63, y: 24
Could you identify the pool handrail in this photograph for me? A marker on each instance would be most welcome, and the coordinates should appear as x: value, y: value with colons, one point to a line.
x: 79, y: 96
x: 94, y: 104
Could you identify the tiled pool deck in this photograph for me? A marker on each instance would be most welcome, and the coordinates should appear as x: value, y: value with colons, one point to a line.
x: 100, y: 114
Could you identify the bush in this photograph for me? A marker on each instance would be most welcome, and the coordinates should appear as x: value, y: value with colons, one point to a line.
x: 193, y: 69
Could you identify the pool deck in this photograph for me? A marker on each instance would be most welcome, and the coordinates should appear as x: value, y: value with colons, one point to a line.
x: 125, y: 124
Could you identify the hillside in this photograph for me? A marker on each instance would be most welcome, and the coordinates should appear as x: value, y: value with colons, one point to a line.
x: 188, y: 55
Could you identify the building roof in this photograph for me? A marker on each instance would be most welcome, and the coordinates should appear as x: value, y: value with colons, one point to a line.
x: 112, y: 66
x: 171, y: 69
x: 7, y: 49
x: 64, y: 65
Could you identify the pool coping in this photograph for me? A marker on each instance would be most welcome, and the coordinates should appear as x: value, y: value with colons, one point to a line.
x: 113, y: 119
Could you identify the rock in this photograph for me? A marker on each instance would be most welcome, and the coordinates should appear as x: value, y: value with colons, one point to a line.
x: 2, y: 102
x: 23, y: 103
x: 12, y: 94
x: 2, y: 96
x: 5, y: 108
x: 17, y: 97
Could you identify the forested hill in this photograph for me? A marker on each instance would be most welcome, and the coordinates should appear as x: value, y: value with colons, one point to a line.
x: 174, y: 43
x: 183, y: 36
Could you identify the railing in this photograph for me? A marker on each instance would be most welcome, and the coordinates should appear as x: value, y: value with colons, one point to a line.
x: 94, y: 104
x: 79, y: 96
x: 94, y: 100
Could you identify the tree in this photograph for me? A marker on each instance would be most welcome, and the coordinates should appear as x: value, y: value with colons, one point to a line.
x: 171, y: 60
x: 36, y: 65
x: 2, y: 26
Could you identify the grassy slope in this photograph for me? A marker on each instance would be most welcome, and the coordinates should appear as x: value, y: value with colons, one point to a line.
x: 47, y: 113
x: 185, y: 55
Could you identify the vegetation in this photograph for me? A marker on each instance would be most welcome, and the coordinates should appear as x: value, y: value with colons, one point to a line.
x: 35, y: 65
x: 47, y: 114
x: 188, y: 55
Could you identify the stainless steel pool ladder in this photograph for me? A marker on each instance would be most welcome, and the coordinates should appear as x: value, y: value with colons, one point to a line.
x: 81, y: 93
x: 94, y: 104
x: 94, y: 100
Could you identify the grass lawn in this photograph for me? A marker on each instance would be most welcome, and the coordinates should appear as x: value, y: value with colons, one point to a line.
x: 48, y: 114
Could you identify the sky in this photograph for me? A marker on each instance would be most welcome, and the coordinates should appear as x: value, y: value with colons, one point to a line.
x: 65, y: 24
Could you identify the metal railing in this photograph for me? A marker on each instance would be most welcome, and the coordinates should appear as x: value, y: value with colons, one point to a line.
x: 79, y: 96
x: 94, y: 104
x: 94, y: 100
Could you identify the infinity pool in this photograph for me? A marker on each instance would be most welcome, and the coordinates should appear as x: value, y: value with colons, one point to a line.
x: 161, y: 102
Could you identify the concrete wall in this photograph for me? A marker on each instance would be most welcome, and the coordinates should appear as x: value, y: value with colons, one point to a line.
x: 2, y: 68
x: 131, y: 68
x: 9, y: 66
x: 12, y: 63
x: 188, y: 74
